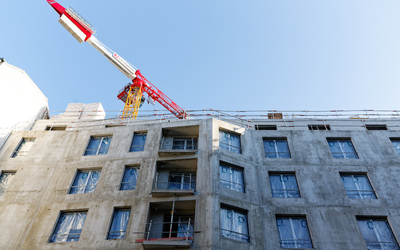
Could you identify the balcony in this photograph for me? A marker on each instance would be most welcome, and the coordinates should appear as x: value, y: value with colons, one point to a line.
x: 171, y: 225
x: 179, y: 141
x: 176, y: 177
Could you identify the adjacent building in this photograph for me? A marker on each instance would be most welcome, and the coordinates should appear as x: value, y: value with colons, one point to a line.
x: 202, y: 184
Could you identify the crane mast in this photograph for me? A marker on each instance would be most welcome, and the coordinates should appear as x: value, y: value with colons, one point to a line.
x: 132, y: 93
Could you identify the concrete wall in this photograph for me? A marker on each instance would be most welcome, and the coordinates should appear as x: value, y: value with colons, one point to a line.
x: 39, y: 191
x: 21, y: 101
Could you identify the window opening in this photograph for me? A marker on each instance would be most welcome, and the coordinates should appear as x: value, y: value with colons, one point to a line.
x: 358, y: 186
x: 342, y: 149
x: 319, y: 127
x: 276, y: 148
x: 23, y: 147
x: 396, y: 145
x: 56, y: 128
x: 69, y: 227
x: 5, y: 180
x: 284, y: 186
x: 129, y: 179
x: 231, y: 177
x: 229, y: 141
x: 377, y: 233
x: 119, y: 224
x: 265, y: 127
x: 375, y: 127
x: 138, y: 142
x: 85, y: 182
x: 293, y: 232
x: 98, y: 145
x: 234, y: 224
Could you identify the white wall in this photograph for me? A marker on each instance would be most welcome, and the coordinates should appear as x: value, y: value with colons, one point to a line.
x: 21, y: 101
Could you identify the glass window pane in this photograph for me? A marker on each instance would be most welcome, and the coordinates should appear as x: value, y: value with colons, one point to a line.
x: 229, y: 141
x: 231, y: 178
x: 129, y: 179
x: 85, y: 182
x: 276, y: 148
x: 377, y: 234
x: 293, y: 233
x: 69, y: 227
x: 98, y: 145
x: 396, y: 145
x: 5, y: 180
x: 234, y: 224
x: 138, y: 142
x: 119, y: 224
x: 284, y: 186
x: 342, y: 149
x: 358, y: 186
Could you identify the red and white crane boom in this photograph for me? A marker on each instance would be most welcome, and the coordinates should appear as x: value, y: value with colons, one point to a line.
x: 131, y: 94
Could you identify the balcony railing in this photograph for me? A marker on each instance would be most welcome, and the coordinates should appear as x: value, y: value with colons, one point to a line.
x: 179, y: 143
x: 182, y: 230
x: 176, y: 182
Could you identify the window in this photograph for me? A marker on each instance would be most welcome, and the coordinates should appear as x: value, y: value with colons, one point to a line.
x: 119, y: 224
x: 342, y: 149
x: 265, y: 127
x: 139, y: 139
x: 69, y: 227
x: 56, y: 128
x: 234, y: 224
x: 231, y: 177
x: 284, y: 186
x: 377, y: 233
x: 319, y: 127
x: 396, y: 144
x: 5, y: 180
x: 129, y: 179
x: 23, y: 147
x: 293, y: 232
x: 184, y: 143
x: 98, y: 145
x: 229, y: 141
x: 276, y: 148
x: 85, y: 182
x: 376, y: 127
x: 358, y: 186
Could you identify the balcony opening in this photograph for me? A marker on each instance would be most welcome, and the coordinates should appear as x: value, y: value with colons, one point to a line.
x: 265, y: 127
x: 319, y: 127
x: 170, y: 225
x: 179, y: 140
x: 175, y: 177
x: 375, y: 127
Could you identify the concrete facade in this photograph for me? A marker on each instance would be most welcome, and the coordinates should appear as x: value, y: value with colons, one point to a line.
x: 39, y: 191
x: 21, y: 101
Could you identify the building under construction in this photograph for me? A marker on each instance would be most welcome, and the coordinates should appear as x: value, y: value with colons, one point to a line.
x: 218, y: 180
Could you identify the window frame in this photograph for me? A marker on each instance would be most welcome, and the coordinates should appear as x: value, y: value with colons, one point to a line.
x: 336, y: 139
x: 284, y: 190
x: 395, y: 139
x: 123, y: 175
x: 193, y: 140
x: 112, y: 220
x: 291, y: 217
x: 238, y: 149
x: 85, y: 186
x: 238, y: 210
x: 15, y: 153
x: 69, y: 230
x: 359, y: 191
x: 229, y: 165
x: 377, y: 218
x: 99, y: 147
x: 140, y: 146
x: 1, y: 174
x: 275, y: 139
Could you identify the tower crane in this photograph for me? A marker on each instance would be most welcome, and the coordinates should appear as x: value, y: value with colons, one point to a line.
x: 131, y: 94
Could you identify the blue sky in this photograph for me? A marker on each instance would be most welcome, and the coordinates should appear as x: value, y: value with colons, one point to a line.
x: 232, y: 55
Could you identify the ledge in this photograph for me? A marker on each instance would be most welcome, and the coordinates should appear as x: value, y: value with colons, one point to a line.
x: 174, y: 152
x: 171, y: 192
x: 178, y: 242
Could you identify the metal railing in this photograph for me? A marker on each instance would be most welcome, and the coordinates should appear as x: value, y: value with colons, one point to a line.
x: 235, y: 235
x: 182, y: 230
x: 187, y: 182
x: 80, y: 19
